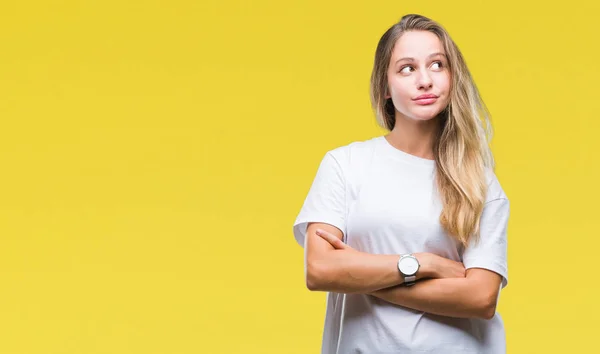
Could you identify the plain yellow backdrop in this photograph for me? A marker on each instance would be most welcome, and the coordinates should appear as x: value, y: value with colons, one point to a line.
x: 155, y: 154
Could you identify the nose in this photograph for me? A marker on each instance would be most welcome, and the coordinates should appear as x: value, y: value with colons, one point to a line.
x: 424, y: 81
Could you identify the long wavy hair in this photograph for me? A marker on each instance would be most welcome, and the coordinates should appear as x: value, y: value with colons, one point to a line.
x: 461, y: 148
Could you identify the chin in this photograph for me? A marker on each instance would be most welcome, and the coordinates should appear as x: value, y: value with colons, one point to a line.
x: 426, y: 113
x: 425, y: 117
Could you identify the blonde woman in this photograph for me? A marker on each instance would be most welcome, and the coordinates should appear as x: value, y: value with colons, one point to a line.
x: 407, y: 231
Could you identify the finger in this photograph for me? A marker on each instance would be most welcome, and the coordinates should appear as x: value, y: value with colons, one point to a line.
x: 327, y: 236
x: 332, y: 239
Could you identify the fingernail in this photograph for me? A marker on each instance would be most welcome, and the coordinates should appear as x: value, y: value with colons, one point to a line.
x: 318, y: 231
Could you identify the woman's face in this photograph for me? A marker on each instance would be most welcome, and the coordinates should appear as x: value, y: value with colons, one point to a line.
x: 418, y: 76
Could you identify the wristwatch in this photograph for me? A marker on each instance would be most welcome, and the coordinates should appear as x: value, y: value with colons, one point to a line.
x: 408, y: 265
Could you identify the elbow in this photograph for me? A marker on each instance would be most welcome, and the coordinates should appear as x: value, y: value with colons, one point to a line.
x: 316, y: 276
x: 487, y: 306
x: 488, y: 312
x: 312, y: 282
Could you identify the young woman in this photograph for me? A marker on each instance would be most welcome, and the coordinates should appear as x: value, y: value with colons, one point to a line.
x: 407, y: 231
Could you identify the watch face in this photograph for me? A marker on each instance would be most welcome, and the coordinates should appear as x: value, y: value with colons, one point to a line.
x: 408, y: 265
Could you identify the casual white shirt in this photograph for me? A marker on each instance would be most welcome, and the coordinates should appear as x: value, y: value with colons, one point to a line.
x: 385, y: 202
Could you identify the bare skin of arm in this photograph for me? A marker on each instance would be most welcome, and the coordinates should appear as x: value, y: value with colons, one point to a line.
x: 472, y: 294
x: 333, y: 267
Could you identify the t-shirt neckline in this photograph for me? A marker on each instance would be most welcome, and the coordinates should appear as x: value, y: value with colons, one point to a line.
x: 399, y: 154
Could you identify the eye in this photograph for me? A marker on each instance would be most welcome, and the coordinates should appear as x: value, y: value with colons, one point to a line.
x: 406, y: 69
x: 437, y: 65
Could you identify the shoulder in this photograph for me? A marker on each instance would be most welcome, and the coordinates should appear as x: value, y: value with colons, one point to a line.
x: 355, y: 153
x: 494, y: 188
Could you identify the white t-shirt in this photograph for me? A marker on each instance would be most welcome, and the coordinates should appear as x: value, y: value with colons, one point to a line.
x: 385, y: 202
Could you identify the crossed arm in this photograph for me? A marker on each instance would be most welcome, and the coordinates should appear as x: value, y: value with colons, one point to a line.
x: 444, y: 287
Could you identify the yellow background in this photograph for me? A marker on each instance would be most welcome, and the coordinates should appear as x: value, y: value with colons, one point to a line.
x: 155, y: 154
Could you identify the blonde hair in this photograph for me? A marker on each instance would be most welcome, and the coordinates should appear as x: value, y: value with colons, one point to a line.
x: 461, y: 149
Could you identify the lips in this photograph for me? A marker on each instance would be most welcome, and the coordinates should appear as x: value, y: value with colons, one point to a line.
x: 426, y: 96
x: 426, y: 99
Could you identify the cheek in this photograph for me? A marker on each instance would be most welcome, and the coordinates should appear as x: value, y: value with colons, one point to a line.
x: 400, y: 89
x: 445, y: 83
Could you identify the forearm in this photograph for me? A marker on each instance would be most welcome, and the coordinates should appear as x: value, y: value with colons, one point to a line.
x: 353, y: 272
x: 332, y: 265
x: 453, y: 297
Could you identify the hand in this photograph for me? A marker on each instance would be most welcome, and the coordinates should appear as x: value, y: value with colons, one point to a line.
x: 434, y: 266
x: 333, y: 240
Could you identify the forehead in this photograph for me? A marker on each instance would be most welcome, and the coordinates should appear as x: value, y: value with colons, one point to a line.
x: 417, y: 45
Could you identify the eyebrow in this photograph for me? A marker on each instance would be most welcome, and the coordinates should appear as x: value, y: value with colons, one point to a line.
x: 429, y: 56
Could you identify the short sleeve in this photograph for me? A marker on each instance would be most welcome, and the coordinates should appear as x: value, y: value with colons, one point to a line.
x: 490, y: 252
x: 326, y: 199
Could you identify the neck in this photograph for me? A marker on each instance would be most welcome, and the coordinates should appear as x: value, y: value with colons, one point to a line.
x: 413, y: 136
